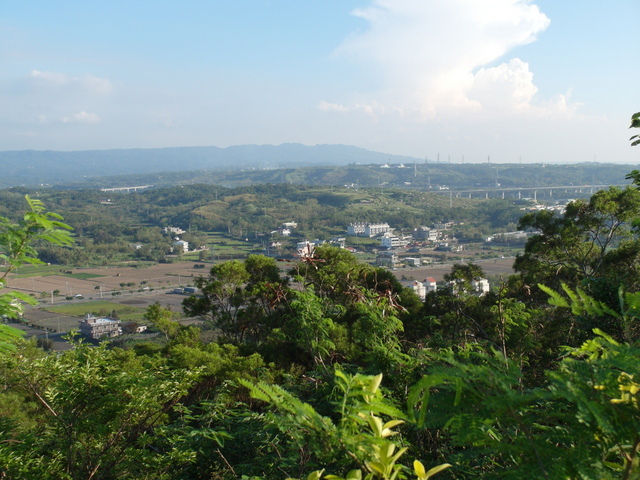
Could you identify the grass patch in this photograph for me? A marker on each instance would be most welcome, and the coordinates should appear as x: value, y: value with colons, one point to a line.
x: 26, y: 271
x: 83, y: 276
x: 100, y: 308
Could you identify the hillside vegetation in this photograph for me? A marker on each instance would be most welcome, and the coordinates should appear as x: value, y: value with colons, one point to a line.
x: 332, y: 369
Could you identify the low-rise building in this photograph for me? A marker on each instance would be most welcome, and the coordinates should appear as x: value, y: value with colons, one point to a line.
x: 481, y: 286
x: 339, y: 242
x: 181, y: 246
x: 373, y: 229
x: 412, y: 261
x: 367, y: 229
x: 387, y: 259
x: 305, y: 249
x: 426, y: 233
x: 391, y: 241
x: 173, y: 230
x: 419, y: 289
x: 443, y: 225
x: 423, y: 288
x: 355, y: 229
x: 95, y: 328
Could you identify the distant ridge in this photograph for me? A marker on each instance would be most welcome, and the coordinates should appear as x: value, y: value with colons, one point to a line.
x: 33, y: 167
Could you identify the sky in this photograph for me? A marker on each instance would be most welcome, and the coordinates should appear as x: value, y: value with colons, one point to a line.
x: 504, y: 81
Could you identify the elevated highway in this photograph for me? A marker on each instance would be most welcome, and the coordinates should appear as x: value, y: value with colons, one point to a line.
x: 546, y: 192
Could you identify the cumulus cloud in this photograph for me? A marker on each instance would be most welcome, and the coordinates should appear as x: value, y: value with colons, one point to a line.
x: 434, y: 55
x: 508, y: 86
x: 82, y: 117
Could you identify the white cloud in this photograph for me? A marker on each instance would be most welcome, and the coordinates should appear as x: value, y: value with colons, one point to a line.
x: 428, y: 50
x: 369, y: 110
x: 82, y: 117
x: 54, y: 80
x: 507, y: 87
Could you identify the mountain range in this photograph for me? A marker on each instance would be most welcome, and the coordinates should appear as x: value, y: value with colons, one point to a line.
x: 31, y: 167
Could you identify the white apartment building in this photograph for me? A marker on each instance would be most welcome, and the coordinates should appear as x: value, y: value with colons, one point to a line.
x: 361, y: 229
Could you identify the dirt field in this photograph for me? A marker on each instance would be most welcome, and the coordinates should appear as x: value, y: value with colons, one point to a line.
x: 492, y: 268
x: 160, y: 276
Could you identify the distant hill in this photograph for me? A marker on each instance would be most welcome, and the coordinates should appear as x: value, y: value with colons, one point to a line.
x: 31, y: 167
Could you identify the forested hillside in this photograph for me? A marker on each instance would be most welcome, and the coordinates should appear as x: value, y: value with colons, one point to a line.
x: 333, y: 369
x: 107, y: 224
x: 414, y: 175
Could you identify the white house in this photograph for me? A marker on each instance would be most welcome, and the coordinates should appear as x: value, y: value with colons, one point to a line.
x: 423, y: 288
x: 373, y: 229
x: 355, y: 229
x: 181, y: 245
x: 426, y: 233
x: 367, y: 229
x: 480, y: 286
x: 420, y: 289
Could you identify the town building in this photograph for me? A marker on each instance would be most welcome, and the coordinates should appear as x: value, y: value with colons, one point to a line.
x: 367, y: 229
x: 412, y: 261
x: 181, y: 246
x: 305, y: 249
x: 426, y: 234
x: 387, y: 259
x: 443, y: 225
x: 95, y: 328
x: 173, y: 230
x: 480, y: 286
x: 355, y: 229
x: 390, y: 241
x: 423, y: 288
x: 373, y: 229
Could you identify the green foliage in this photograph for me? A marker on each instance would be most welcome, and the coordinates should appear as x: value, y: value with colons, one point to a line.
x: 623, y: 322
x: 585, y: 243
x: 98, y: 410
x: 359, y: 437
x: 462, y: 275
x: 162, y: 319
x: 602, y: 380
x: 222, y: 298
x: 238, y: 297
x: 583, y: 423
x: 17, y: 247
x: 310, y: 327
x: 635, y: 139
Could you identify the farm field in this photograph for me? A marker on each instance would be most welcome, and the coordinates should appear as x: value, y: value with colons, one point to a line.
x: 88, y: 282
x: 130, y: 302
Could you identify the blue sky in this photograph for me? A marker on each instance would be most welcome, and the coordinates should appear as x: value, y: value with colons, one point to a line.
x: 536, y: 81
